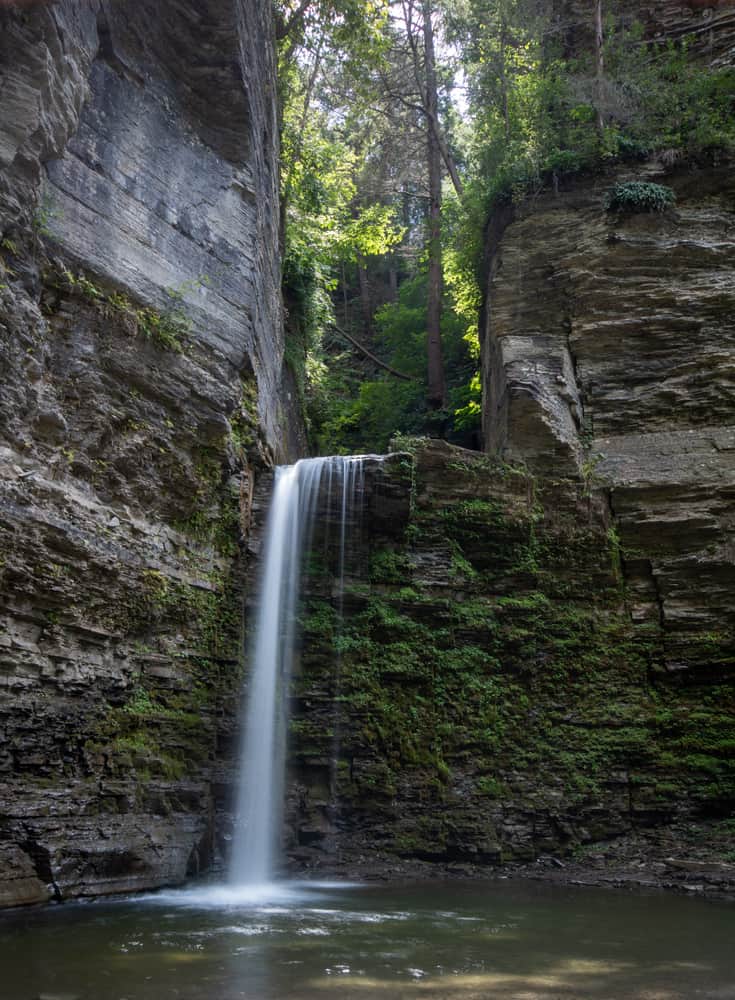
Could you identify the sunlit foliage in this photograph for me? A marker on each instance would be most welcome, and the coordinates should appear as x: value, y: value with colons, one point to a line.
x: 527, y: 98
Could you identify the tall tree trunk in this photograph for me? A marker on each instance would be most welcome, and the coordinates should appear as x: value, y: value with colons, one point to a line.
x: 427, y: 93
x: 436, y: 385
x: 366, y: 299
x: 345, y: 303
x: 392, y: 278
x: 504, y: 77
x: 600, y: 62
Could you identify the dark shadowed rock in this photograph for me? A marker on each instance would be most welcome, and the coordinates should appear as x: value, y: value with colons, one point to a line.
x: 488, y: 692
x: 141, y: 361
x: 608, y: 354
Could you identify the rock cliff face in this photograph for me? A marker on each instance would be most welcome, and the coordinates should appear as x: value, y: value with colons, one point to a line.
x: 608, y: 353
x: 709, y: 25
x: 486, y: 694
x: 142, y: 366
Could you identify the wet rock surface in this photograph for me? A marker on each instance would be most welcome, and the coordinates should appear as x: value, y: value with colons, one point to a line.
x: 142, y: 382
x: 641, y: 861
x: 483, y: 694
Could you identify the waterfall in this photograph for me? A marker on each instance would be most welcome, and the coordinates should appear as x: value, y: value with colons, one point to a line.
x: 288, y: 536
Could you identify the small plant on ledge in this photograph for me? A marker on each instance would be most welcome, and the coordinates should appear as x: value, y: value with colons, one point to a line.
x: 639, y: 196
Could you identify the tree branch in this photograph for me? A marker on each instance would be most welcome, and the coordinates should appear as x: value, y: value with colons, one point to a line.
x: 285, y: 27
x: 424, y: 107
x: 368, y: 354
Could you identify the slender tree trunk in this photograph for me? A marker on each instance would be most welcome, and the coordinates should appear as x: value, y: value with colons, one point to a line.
x: 345, y: 304
x: 366, y: 299
x: 428, y: 93
x: 393, y: 278
x: 600, y: 61
x: 504, y: 79
x: 436, y: 385
x: 369, y: 354
x: 447, y: 157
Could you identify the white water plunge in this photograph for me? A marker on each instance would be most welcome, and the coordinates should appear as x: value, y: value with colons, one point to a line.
x: 289, y: 532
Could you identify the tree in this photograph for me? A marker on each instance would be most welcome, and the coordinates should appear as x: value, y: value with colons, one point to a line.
x: 436, y: 383
x: 599, y: 63
x: 408, y: 79
x: 324, y: 223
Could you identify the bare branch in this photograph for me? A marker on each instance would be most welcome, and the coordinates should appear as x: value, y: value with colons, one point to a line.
x: 284, y: 27
x: 368, y: 354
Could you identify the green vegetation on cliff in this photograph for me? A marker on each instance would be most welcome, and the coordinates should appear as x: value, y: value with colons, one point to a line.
x: 492, y: 696
x: 527, y: 95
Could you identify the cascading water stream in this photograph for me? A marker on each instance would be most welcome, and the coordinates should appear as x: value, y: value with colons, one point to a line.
x: 289, y: 532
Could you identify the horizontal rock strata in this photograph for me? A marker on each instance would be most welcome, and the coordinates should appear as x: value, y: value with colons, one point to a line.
x: 141, y: 368
x: 609, y: 354
x: 484, y: 691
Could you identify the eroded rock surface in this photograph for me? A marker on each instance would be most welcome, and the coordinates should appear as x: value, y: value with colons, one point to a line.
x: 708, y: 25
x: 142, y: 375
x: 609, y: 353
x: 482, y: 692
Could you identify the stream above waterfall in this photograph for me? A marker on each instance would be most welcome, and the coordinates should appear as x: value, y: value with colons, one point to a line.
x: 449, y: 940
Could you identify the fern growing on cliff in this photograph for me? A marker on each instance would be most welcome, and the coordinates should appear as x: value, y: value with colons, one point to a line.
x: 639, y: 196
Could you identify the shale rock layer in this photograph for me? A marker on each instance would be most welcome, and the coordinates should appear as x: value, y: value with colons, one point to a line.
x: 608, y: 351
x: 142, y: 367
x: 482, y: 691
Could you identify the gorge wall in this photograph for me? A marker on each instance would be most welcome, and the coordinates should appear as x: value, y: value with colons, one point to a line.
x: 534, y: 648
x: 485, y: 691
x: 613, y: 360
x: 142, y: 375
x: 608, y: 353
x: 708, y: 25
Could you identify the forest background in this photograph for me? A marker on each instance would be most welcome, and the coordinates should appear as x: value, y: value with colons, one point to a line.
x: 405, y: 125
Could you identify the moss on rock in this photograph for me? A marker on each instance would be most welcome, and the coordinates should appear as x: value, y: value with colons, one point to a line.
x: 490, y: 665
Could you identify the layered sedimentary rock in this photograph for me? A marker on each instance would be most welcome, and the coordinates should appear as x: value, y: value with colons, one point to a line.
x: 612, y: 359
x: 151, y: 131
x: 142, y: 367
x: 608, y: 353
x: 541, y: 654
x: 707, y: 25
x: 480, y: 692
x: 608, y: 356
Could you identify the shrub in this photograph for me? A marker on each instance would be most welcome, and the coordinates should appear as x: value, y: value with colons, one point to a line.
x: 639, y: 196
